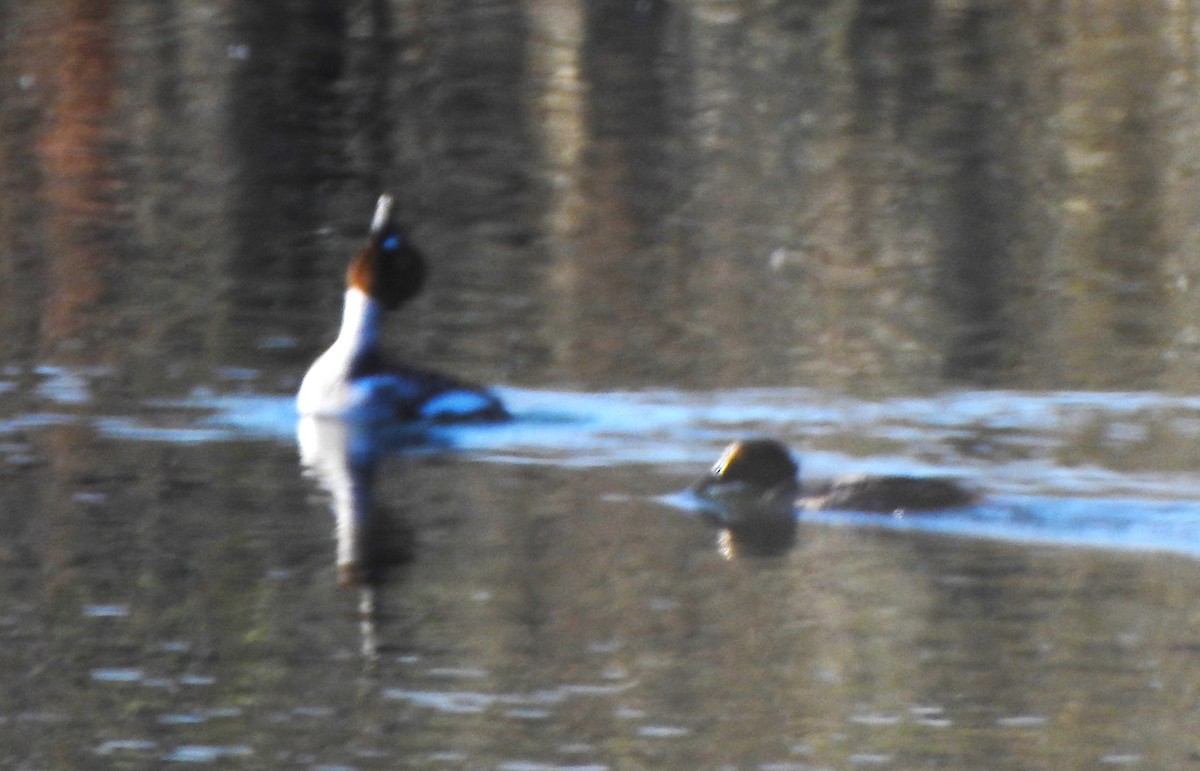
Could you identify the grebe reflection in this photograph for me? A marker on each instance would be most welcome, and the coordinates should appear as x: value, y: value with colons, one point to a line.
x: 342, y: 457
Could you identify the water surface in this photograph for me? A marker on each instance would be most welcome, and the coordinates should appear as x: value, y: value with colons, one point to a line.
x: 903, y: 238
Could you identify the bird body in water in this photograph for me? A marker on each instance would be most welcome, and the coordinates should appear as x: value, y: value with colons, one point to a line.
x: 763, y: 472
x: 753, y: 493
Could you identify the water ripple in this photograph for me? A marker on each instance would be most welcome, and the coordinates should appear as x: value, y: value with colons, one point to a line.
x: 196, y: 753
x: 1072, y: 467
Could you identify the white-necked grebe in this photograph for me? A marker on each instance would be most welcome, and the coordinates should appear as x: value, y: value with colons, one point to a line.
x: 352, y: 377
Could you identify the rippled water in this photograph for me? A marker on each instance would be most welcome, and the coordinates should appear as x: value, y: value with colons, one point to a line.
x: 561, y: 606
x: 1043, y: 461
x: 953, y: 239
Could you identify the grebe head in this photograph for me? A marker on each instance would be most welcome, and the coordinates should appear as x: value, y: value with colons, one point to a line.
x: 388, y: 268
x: 759, y: 463
x: 753, y: 479
x: 750, y: 494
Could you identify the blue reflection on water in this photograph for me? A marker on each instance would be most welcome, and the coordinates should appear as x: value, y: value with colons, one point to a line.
x: 1102, y: 523
x: 1031, y: 493
x: 193, y: 753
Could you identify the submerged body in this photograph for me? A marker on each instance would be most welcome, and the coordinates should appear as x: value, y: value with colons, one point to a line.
x: 895, y: 495
x: 762, y: 474
x: 353, y: 378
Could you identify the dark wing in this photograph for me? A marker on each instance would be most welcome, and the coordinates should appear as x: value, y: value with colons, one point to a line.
x: 422, y: 394
x: 890, y: 494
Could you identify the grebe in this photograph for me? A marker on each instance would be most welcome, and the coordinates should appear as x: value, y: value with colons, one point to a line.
x: 352, y: 378
x: 758, y: 478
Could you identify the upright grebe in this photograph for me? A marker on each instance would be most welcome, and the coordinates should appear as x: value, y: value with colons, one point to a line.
x: 352, y: 378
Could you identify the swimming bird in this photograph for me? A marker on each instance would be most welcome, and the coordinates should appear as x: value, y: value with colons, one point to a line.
x: 758, y: 478
x: 353, y: 378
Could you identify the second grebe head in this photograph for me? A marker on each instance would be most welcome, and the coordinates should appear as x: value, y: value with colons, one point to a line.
x: 760, y: 463
x: 750, y: 494
x: 753, y: 479
x: 388, y: 268
x: 754, y: 476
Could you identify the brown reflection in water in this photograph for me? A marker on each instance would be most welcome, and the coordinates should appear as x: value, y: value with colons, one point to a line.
x: 822, y: 194
x: 739, y: 85
x: 622, y: 270
x: 67, y: 261
x: 606, y: 115
x: 80, y: 182
x: 928, y: 156
x: 926, y: 87
x: 1112, y: 239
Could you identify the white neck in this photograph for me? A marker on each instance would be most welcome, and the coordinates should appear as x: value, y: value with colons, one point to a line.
x: 361, y: 318
x: 326, y: 386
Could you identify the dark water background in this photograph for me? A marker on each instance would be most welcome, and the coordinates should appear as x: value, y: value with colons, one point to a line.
x: 958, y: 237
